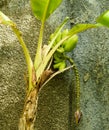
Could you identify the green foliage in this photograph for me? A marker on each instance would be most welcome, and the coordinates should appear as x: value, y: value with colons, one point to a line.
x: 55, y: 36
x: 70, y: 44
x: 42, y: 9
x: 5, y: 20
x: 60, y: 43
x: 104, y: 19
x: 80, y: 28
x: 67, y: 46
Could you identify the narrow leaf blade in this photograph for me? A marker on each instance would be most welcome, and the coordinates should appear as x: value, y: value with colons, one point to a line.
x: 6, y: 21
x: 80, y: 28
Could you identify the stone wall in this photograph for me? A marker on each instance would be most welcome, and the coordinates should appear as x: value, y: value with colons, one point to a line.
x: 56, y: 101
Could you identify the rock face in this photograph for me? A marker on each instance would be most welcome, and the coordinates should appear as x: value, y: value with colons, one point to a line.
x: 92, y: 58
x: 56, y: 101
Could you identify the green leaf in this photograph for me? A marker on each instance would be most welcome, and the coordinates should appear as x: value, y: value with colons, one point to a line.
x: 56, y: 34
x: 46, y: 58
x: 42, y: 9
x: 27, y: 56
x: 49, y: 56
x: 104, y: 19
x: 5, y: 20
x: 80, y: 28
x: 76, y: 29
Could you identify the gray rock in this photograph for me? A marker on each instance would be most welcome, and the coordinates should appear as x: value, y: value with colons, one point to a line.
x: 92, y: 58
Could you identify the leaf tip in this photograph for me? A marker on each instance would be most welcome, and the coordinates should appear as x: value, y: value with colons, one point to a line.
x: 5, y: 20
x: 104, y: 19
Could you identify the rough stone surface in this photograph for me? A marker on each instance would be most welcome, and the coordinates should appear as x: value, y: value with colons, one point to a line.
x: 56, y: 107
x: 92, y: 58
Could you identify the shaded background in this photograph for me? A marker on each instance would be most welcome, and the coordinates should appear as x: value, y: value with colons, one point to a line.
x: 56, y: 101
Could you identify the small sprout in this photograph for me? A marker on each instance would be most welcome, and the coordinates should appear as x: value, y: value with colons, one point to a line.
x: 61, y: 65
x: 78, y: 115
x: 86, y: 77
x: 60, y: 49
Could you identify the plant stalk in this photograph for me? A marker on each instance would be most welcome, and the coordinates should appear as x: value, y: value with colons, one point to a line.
x: 26, y: 53
x: 30, y: 110
x: 38, y: 57
x: 77, y: 82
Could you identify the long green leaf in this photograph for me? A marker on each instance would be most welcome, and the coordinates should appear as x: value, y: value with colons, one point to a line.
x: 42, y: 9
x: 6, y: 21
x: 80, y: 28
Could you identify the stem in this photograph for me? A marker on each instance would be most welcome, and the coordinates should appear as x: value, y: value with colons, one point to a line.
x: 26, y: 53
x: 77, y: 83
x: 56, y: 73
x: 30, y: 111
x: 38, y: 57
